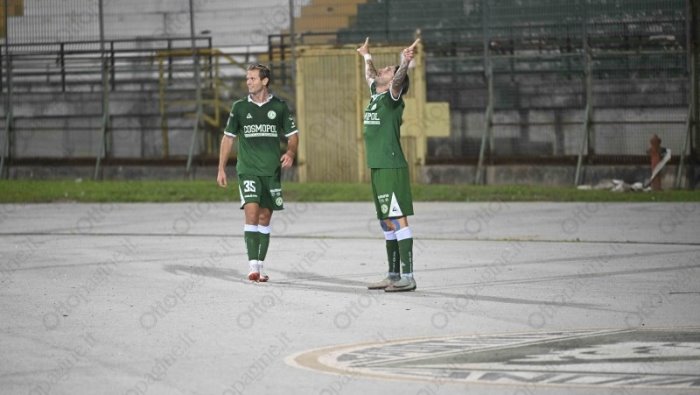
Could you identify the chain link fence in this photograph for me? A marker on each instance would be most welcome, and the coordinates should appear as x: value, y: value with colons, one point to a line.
x: 528, y: 81
x: 546, y: 81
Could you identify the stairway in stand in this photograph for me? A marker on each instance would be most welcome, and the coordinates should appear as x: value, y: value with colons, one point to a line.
x: 325, y: 16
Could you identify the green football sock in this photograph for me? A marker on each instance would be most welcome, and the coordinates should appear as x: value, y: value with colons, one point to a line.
x: 252, y: 244
x: 264, y: 232
x: 406, y: 253
x: 392, y: 252
x: 405, y: 239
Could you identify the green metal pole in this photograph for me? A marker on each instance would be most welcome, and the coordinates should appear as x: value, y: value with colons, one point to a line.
x: 292, y: 46
x: 686, y: 145
x: 488, y: 123
x: 488, y: 115
x: 7, y: 142
x: 102, y: 149
x: 693, y: 92
x: 198, y: 94
x: 4, y: 169
x: 695, y: 47
x: 588, y: 113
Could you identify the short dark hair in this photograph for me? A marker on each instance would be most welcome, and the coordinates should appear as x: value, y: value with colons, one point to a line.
x: 264, y: 71
x: 406, y: 82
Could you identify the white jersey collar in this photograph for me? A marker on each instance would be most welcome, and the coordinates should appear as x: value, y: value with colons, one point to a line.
x: 269, y: 97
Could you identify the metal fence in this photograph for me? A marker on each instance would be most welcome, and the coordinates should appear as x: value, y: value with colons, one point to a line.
x: 73, y: 94
x: 528, y: 81
x: 545, y: 81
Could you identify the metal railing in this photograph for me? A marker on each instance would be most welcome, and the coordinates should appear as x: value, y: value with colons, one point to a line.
x: 605, y: 83
x: 71, y: 72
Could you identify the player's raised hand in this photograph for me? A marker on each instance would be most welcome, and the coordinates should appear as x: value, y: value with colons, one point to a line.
x: 409, y: 52
x: 364, y: 49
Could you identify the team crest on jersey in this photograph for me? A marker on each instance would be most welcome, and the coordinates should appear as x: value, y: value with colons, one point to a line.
x: 384, y: 208
x: 374, y: 107
x: 248, y: 116
x: 279, y: 201
x: 271, y: 114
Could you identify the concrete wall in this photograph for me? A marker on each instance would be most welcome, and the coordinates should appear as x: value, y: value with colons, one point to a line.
x: 551, y: 175
x: 434, y: 174
x: 58, y: 125
x: 624, y: 119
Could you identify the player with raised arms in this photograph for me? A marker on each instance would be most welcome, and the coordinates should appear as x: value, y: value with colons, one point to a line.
x: 390, y: 179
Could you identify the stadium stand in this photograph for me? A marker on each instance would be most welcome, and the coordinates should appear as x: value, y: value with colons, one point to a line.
x: 536, y: 52
x: 536, y: 81
x: 56, y: 77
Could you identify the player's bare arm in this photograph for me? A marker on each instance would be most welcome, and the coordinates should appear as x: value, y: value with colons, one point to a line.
x: 406, y: 56
x: 224, y: 153
x: 292, y: 144
x: 370, y: 71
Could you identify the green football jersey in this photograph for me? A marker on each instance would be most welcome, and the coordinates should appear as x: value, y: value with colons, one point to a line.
x: 382, y: 131
x: 258, y: 129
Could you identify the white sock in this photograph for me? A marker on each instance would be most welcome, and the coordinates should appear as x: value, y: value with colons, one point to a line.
x: 254, y: 265
x: 404, y: 233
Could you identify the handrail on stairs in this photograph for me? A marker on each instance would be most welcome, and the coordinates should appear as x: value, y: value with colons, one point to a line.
x: 212, y: 79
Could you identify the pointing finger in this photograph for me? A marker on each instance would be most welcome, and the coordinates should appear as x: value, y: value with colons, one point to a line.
x: 414, y: 43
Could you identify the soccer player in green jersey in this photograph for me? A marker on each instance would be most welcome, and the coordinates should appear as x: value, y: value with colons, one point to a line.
x: 389, y: 170
x: 259, y: 122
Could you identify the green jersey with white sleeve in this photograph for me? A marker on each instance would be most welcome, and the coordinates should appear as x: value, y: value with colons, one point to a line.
x: 258, y: 128
x: 382, y: 133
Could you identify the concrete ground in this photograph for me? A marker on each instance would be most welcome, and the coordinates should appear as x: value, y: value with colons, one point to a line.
x: 513, y: 298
